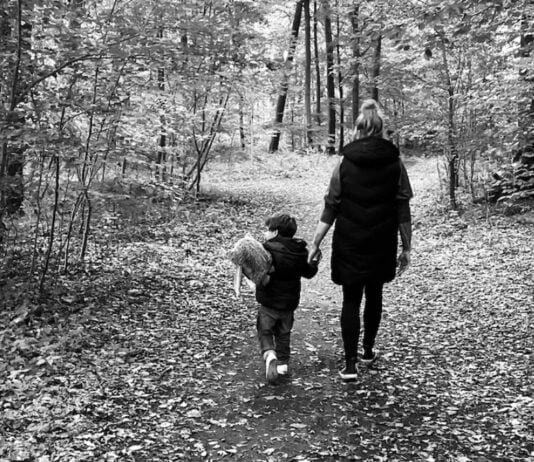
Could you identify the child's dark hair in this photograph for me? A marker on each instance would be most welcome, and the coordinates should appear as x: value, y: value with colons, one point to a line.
x: 283, y: 223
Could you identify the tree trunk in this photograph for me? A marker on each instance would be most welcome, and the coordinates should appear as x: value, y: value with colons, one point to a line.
x: 57, y: 177
x: 356, y: 65
x: 340, y: 86
x: 376, y: 67
x: 317, y: 66
x: 162, y: 143
x: 242, y: 136
x: 330, y: 83
x: 307, y: 72
x: 86, y: 226
x: 12, y: 153
x: 526, y: 100
x: 451, y: 129
x: 5, y: 37
x: 160, y: 163
x: 203, y: 150
x: 52, y: 226
x: 282, y: 97
x: 251, y: 132
x: 292, y: 112
x: 70, y: 227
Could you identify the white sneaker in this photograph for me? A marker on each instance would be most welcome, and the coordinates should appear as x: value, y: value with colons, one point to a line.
x: 350, y: 372
x: 281, y: 369
x: 271, y: 373
x: 348, y: 375
x: 369, y: 358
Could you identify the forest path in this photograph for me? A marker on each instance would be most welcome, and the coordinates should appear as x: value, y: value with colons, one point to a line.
x: 454, y: 378
x: 144, y: 354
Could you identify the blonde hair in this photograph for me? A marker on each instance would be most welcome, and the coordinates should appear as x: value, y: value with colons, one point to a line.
x: 370, y: 121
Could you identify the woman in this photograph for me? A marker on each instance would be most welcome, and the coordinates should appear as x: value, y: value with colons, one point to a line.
x: 368, y: 198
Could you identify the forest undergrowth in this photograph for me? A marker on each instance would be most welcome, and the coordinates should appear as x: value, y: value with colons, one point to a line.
x: 145, y: 354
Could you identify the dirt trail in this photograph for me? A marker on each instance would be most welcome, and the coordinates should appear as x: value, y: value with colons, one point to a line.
x: 147, y: 356
x: 452, y: 374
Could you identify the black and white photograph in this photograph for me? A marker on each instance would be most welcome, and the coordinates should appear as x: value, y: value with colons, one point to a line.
x: 266, y: 230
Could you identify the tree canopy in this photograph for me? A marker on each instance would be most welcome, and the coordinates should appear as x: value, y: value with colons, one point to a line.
x: 101, y: 98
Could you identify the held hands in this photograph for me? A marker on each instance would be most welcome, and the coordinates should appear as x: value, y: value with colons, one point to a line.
x: 315, y: 255
x: 403, y: 261
x: 318, y: 257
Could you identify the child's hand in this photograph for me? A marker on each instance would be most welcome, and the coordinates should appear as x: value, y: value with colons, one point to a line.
x: 315, y: 257
x: 318, y: 257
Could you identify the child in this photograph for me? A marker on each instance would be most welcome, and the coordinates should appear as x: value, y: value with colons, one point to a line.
x: 280, y: 297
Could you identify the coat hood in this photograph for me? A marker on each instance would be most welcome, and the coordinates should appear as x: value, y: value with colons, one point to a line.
x: 371, y: 151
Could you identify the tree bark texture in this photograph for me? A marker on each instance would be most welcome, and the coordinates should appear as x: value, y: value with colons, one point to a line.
x: 162, y: 142
x: 356, y: 63
x: 330, y: 82
x: 242, y: 135
x: 12, y: 153
x: 526, y: 75
x: 340, y: 86
x: 317, y: 65
x: 376, y: 67
x: 307, y: 72
x: 282, y: 96
x: 451, y: 129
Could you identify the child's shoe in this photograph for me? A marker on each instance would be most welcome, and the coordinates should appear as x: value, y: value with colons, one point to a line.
x: 282, y: 369
x: 350, y: 372
x: 271, y: 373
x: 369, y: 357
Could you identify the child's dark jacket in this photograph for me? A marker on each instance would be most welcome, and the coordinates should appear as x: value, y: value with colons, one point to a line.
x: 290, y: 264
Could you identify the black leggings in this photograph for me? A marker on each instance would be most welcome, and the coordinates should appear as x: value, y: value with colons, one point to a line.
x: 350, y: 315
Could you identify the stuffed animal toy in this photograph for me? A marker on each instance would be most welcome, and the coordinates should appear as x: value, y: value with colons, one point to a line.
x: 251, y: 259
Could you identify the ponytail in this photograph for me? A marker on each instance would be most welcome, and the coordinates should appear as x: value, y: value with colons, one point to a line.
x: 369, y: 121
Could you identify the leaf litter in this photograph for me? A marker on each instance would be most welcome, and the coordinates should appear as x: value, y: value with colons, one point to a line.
x: 147, y: 355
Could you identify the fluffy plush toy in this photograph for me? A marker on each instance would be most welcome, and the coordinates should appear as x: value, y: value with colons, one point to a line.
x: 252, y: 260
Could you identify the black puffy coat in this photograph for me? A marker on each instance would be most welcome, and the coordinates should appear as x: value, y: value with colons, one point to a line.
x: 364, y: 246
x: 290, y: 264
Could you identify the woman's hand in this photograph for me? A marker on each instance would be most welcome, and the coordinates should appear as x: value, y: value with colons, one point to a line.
x: 320, y: 233
x: 313, y: 253
x: 403, y: 261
